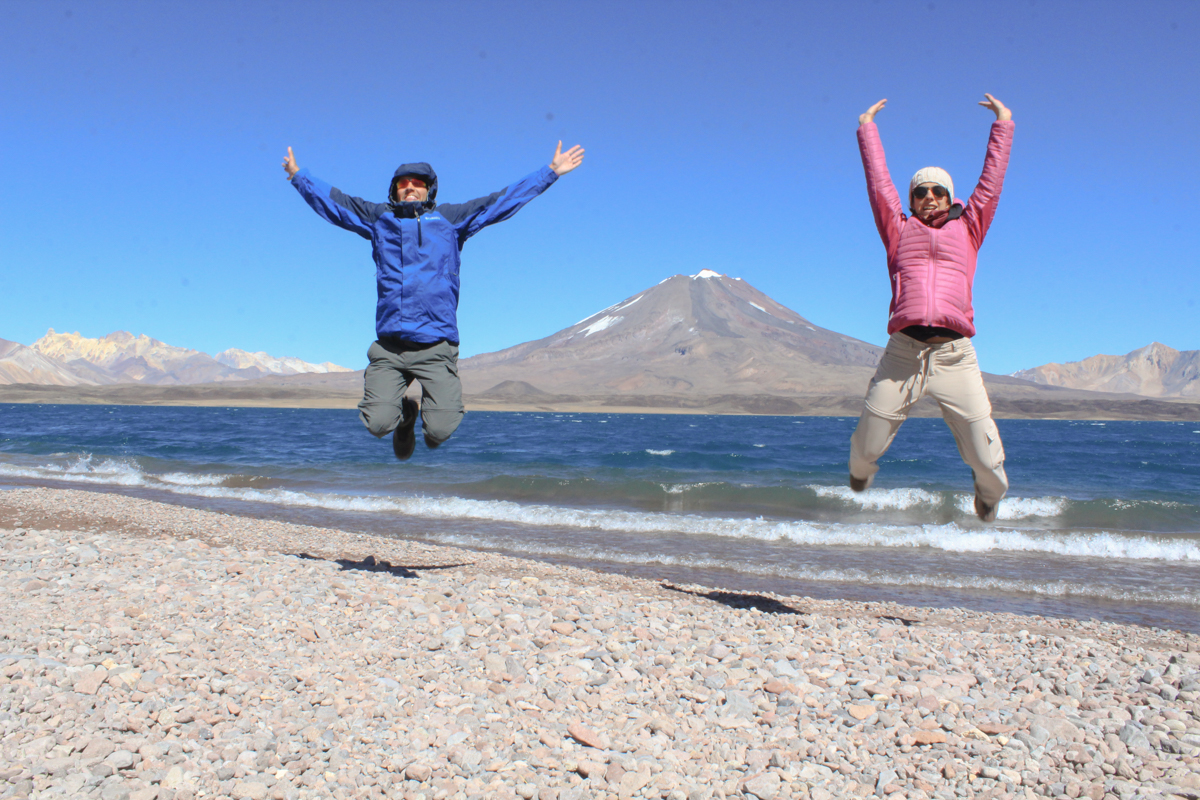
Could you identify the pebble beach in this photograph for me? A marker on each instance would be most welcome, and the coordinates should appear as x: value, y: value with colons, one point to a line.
x: 152, y: 651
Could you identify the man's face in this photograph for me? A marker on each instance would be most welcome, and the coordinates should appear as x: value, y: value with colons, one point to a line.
x: 410, y: 189
x: 936, y: 199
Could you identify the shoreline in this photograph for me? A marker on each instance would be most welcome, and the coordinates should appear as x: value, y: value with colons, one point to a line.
x: 160, y: 651
x: 1068, y: 405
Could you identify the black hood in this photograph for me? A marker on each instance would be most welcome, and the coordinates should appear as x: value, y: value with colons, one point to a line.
x: 421, y: 170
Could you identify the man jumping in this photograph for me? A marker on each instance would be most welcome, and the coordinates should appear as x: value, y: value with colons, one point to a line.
x: 416, y: 246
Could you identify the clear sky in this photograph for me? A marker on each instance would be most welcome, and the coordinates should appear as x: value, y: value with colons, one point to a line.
x: 140, y: 146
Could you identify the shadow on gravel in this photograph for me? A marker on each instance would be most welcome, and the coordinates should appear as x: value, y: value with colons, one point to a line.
x: 739, y: 600
x: 369, y: 564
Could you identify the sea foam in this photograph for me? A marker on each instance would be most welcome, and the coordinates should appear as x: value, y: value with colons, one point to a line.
x: 950, y: 537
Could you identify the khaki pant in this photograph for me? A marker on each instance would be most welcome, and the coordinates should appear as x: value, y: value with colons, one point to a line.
x: 949, y: 373
x: 394, y: 365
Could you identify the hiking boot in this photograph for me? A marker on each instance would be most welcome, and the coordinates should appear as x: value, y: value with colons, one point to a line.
x: 985, y: 512
x: 860, y: 484
x: 404, y: 438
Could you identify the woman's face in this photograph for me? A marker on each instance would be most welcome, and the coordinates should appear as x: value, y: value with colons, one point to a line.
x: 936, y: 199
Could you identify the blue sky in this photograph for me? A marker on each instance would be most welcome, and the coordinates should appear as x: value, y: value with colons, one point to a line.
x: 141, y: 143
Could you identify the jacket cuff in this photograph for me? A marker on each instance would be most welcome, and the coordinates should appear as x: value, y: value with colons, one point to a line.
x: 549, y: 176
x: 300, y: 173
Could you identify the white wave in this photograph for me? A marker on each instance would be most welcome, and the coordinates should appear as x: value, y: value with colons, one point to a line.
x: 188, y: 479
x: 680, y: 488
x: 948, y: 537
x: 82, y: 470
x: 1057, y: 589
x: 660, y: 452
x: 1017, y: 507
x: 880, y: 499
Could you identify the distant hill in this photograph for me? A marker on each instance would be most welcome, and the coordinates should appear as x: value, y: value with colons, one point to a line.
x: 69, y: 359
x: 1151, y: 371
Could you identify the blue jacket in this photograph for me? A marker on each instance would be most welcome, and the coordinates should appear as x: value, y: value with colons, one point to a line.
x: 416, y: 246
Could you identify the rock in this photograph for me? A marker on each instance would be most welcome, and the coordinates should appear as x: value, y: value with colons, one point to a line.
x: 418, y: 772
x: 928, y: 737
x: 584, y: 735
x: 929, y: 702
x: 120, y: 759
x: 252, y: 790
x: 98, y: 748
x: 764, y: 786
x: 1058, y: 727
x: 90, y: 682
x: 1133, y: 737
x: 860, y: 712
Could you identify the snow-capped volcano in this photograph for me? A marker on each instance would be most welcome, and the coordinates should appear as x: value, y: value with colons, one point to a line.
x: 701, y: 334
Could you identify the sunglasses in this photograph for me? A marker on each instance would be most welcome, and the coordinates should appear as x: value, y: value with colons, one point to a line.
x: 417, y: 183
x: 938, y: 192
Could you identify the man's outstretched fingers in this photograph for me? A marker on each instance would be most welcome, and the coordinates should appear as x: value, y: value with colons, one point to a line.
x: 565, y: 162
x: 289, y: 164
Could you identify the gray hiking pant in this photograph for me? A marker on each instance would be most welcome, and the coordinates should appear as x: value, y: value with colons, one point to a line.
x: 396, y: 364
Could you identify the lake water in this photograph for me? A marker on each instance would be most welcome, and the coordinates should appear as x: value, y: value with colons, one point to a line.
x: 1102, y: 520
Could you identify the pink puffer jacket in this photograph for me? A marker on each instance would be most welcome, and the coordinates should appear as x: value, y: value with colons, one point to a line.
x: 933, y: 269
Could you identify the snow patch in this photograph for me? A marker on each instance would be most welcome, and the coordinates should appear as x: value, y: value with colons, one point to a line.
x: 610, y: 310
x: 760, y: 308
x: 707, y: 273
x: 600, y: 324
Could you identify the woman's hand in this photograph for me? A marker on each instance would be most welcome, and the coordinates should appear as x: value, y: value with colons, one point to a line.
x: 289, y: 165
x: 1002, y: 112
x: 863, y: 119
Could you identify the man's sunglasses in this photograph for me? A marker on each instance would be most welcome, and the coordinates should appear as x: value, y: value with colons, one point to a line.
x: 938, y: 192
x: 417, y: 183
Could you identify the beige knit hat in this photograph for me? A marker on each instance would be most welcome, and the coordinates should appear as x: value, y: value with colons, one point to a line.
x: 932, y: 175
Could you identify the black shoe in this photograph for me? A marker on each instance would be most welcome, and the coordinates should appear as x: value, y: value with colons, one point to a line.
x: 404, y: 438
x: 859, y: 484
x: 985, y: 512
x: 432, y: 444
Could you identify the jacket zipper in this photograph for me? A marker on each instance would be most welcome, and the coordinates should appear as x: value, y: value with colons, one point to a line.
x: 931, y: 283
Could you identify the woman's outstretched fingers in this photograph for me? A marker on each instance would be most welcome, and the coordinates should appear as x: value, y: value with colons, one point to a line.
x: 1001, y: 110
x: 869, y: 116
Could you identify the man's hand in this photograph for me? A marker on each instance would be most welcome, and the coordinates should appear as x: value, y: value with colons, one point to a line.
x: 863, y: 119
x: 1002, y: 112
x: 562, y: 163
x: 289, y: 165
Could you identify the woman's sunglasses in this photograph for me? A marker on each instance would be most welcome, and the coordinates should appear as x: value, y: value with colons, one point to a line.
x: 938, y: 192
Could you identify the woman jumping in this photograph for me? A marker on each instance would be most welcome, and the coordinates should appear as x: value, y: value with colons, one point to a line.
x: 931, y: 262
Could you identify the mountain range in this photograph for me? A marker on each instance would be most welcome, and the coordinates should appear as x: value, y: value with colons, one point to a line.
x: 703, y: 343
x: 69, y: 359
x: 1152, y: 371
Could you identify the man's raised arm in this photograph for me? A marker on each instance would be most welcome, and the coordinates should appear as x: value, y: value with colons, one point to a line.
x: 351, y: 213
x: 470, y: 218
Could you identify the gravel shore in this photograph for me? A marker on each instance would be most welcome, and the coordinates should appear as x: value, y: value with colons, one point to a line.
x: 155, y: 651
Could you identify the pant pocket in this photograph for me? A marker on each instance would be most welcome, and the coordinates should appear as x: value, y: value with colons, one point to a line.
x: 995, y: 446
